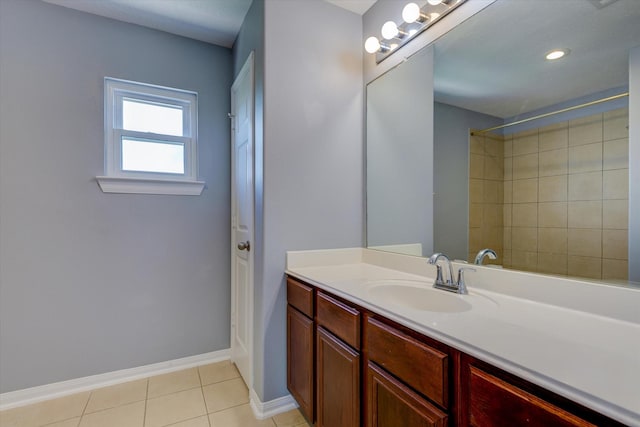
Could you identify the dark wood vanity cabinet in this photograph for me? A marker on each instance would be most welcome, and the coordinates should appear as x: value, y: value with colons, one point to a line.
x: 338, y: 364
x: 349, y: 367
x: 492, y: 397
x: 390, y: 403
x: 338, y: 386
x: 406, y: 378
x: 300, y: 346
x: 323, y: 359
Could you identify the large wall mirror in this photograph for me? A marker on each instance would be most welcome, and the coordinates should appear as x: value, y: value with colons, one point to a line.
x: 480, y: 141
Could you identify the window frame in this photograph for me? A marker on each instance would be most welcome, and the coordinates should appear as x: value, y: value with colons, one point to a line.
x: 118, y: 180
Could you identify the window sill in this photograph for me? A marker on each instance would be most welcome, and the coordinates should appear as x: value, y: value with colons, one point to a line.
x: 110, y: 184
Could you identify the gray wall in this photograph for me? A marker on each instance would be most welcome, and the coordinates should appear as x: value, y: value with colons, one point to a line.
x: 93, y: 282
x: 313, y: 169
x: 400, y: 155
x: 451, y: 176
x: 634, y: 164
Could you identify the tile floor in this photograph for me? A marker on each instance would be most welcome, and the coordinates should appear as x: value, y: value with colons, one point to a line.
x: 208, y: 396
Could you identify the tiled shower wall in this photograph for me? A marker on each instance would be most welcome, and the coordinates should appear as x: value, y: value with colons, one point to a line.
x: 565, y: 198
x: 486, y: 196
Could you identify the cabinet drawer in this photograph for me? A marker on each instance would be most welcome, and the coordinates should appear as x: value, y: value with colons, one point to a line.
x: 300, y: 296
x: 343, y: 321
x: 493, y: 400
x: 418, y: 365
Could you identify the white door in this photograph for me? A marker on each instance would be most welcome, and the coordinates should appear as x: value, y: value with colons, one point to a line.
x: 242, y: 221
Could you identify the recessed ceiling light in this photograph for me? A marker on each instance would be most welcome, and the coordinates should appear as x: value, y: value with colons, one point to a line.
x: 557, y: 54
x: 602, y: 3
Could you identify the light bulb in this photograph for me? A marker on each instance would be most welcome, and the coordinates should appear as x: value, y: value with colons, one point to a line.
x: 411, y: 13
x: 434, y: 2
x: 434, y: 15
x: 372, y: 45
x: 389, y: 30
x: 556, y: 54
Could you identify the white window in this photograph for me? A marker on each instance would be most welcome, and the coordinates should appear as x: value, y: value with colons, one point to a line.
x: 150, y: 139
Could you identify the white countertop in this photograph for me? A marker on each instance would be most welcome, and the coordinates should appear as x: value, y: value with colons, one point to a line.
x: 581, y: 342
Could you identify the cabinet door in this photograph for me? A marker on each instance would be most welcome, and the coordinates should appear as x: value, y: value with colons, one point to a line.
x: 392, y: 404
x: 494, y: 402
x: 300, y: 360
x: 338, y: 389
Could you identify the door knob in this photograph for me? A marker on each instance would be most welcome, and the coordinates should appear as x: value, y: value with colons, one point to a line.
x: 244, y: 246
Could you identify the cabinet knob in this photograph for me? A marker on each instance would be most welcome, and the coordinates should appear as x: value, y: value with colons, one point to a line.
x: 244, y: 246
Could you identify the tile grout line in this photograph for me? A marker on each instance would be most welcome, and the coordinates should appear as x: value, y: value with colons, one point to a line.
x: 227, y: 408
x: 86, y: 405
x: 206, y: 409
x: 146, y: 399
x: 180, y: 422
x: 173, y: 392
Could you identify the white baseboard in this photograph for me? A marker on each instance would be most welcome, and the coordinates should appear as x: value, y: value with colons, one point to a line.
x: 264, y: 410
x: 31, y: 395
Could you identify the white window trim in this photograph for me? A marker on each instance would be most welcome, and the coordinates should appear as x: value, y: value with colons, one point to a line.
x: 116, y: 180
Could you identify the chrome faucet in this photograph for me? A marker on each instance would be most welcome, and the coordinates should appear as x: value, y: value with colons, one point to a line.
x: 434, y: 261
x: 449, y: 284
x: 484, y: 253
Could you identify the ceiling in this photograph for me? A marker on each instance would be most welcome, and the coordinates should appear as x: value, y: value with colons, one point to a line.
x: 211, y: 21
x: 494, y: 63
x: 356, y: 6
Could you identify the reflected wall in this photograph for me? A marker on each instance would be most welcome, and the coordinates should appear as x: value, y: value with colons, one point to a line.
x: 400, y: 157
x: 451, y: 175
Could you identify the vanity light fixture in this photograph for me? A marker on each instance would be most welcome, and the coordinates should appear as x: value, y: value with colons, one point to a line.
x: 373, y: 45
x: 416, y: 20
x: 556, y: 54
x: 390, y: 31
x: 412, y: 13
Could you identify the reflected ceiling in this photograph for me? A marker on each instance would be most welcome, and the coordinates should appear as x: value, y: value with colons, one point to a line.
x: 495, y: 60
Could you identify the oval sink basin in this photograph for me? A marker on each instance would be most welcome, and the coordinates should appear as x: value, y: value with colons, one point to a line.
x: 418, y: 296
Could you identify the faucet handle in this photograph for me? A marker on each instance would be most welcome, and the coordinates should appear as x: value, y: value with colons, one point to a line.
x: 439, y: 279
x: 462, y: 286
